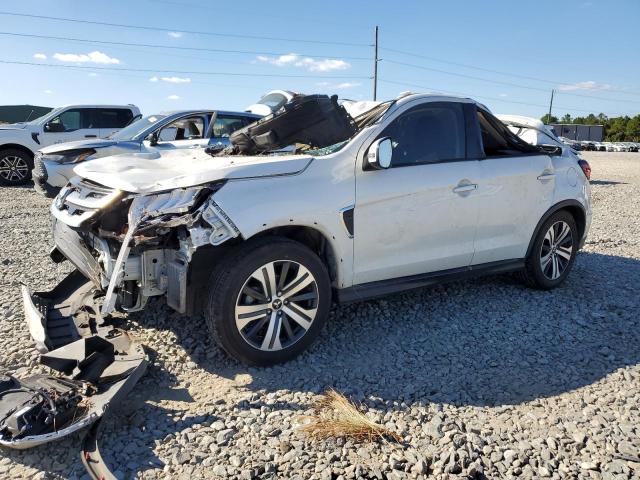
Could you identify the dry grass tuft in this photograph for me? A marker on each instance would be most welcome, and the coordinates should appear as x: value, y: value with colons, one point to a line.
x: 336, y: 417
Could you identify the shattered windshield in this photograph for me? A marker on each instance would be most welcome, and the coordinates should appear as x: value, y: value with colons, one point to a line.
x: 136, y: 128
x: 321, y: 152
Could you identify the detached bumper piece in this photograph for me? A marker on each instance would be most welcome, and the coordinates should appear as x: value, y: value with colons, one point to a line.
x: 96, y: 367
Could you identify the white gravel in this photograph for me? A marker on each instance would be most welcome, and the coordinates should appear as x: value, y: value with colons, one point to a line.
x: 481, y: 377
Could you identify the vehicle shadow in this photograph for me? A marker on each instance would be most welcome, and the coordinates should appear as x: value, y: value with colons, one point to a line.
x: 606, y: 182
x: 485, y: 342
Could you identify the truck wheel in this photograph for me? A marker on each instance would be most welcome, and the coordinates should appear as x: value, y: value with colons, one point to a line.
x: 553, y: 253
x: 268, y: 301
x: 15, y: 167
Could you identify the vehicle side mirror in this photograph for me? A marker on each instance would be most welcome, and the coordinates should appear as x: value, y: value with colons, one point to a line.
x: 54, y: 127
x: 552, y: 149
x: 380, y: 153
x: 153, y: 138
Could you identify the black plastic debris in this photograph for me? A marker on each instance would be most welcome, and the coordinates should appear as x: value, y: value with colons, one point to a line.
x: 314, y: 120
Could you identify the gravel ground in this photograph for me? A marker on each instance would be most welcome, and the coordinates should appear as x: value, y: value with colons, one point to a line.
x: 481, y: 377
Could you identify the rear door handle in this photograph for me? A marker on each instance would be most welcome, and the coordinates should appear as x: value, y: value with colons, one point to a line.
x: 90, y: 136
x: 546, y: 176
x: 465, y: 188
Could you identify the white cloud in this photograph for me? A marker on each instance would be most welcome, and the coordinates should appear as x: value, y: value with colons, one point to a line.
x: 40, y: 56
x: 337, y: 86
x: 175, y: 34
x: 503, y: 95
x: 311, y: 64
x: 589, y: 85
x: 344, y: 85
x: 173, y: 97
x: 170, y: 79
x: 176, y: 79
x: 93, y: 74
x: 91, y: 57
x: 48, y: 92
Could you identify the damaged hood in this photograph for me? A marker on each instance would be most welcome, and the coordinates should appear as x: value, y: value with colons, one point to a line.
x: 154, y: 172
x: 80, y: 144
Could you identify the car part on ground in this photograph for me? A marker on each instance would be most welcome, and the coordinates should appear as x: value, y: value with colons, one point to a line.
x: 97, y: 365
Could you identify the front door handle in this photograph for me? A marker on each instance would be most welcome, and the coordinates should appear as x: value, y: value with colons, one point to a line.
x: 468, y: 187
x: 546, y: 176
x: 90, y: 136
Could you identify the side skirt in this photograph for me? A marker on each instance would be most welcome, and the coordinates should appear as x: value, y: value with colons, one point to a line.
x: 381, y: 288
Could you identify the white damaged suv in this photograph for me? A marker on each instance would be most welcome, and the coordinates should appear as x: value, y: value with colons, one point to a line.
x: 427, y: 189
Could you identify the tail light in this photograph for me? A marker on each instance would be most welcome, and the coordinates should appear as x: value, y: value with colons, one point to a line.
x: 586, y: 168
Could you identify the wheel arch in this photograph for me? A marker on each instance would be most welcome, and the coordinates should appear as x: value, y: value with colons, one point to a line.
x: 574, y: 207
x: 17, y: 146
x: 312, y: 238
x: 205, y: 258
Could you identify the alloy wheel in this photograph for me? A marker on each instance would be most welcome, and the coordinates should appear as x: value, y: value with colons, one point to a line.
x: 556, y: 250
x: 13, y: 168
x: 276, y: 305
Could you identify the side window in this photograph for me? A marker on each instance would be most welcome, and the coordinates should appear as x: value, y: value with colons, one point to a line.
x: 225, y: 125
x: 73, y: 119
x: 188, y: 128
x: 498, y: 140
x: 112, y: 117
x: 428, y: 133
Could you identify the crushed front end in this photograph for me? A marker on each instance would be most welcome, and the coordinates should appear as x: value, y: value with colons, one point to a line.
x: 127, y: 248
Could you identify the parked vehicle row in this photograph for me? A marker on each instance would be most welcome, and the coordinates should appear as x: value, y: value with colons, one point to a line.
x: 602, y: 146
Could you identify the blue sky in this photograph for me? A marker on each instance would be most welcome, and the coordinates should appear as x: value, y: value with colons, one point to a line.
x: 586, y: 50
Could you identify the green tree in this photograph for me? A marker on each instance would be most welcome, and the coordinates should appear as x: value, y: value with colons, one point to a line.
x: 632, y: 132
x: 566, y: 118
x: 547, y: 120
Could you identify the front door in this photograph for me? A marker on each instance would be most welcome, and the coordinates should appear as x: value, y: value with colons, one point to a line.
x: 419, y: 215
x: 70, y: 125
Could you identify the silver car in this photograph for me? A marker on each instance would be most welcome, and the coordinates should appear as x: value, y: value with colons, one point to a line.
x: 53, y: 165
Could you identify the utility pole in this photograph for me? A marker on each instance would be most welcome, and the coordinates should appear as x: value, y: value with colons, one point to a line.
x: 375, y: 66
x: 550, y: 106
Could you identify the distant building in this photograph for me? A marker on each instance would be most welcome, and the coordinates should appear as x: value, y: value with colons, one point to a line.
x: 20, y: 113
x: 594, y: 133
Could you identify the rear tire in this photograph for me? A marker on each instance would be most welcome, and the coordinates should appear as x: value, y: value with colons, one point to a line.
x: 15, y: 167
x: 258, y: 326
x: 553, y: 253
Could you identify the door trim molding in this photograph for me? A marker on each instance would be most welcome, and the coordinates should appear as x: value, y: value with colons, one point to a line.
x: 381, y: 288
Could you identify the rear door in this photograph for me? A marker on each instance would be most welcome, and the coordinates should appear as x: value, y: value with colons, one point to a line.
x: 224, y: 125
x: 515, y: 189
x: 419, y: 215
x: 110, y: 120
x: 185, y: 132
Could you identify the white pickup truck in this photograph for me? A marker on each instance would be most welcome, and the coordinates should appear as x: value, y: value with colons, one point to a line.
x: 19, y: 141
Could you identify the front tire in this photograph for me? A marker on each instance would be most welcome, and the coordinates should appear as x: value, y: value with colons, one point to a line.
x: 15, y: 167
x: 268, y: 301
x: 553, y: 253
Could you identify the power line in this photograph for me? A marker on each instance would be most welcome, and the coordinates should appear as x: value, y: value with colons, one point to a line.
x: 449, y: 92
x: 174, y: 47
x: 191, y: 32
x: 499, y: 82
x: 186, y: 72
x: 499, y: 72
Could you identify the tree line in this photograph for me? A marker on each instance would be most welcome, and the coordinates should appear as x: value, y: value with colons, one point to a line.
x: 616, y: 129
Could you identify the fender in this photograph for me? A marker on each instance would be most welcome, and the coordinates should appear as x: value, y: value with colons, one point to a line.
x: 558, y: 206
